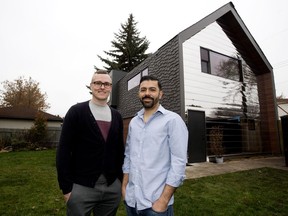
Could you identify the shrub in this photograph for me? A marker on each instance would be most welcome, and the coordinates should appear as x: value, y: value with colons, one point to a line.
x: 38, y: 132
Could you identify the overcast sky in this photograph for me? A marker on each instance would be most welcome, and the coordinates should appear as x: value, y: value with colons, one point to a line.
x: 56, y: 42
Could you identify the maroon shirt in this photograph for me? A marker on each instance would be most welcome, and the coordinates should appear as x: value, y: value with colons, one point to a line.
x: 104, y: 127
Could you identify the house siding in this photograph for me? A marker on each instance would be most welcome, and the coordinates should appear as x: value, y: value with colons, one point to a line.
x: 228, y: 102
x: 24, y: 124
x: 164, y: 64
x: 208, y: 92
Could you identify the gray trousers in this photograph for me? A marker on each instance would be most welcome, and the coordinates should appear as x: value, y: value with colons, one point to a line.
x: 101, y: 200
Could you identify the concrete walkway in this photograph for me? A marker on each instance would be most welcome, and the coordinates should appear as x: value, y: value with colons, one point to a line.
x: 198, y: 170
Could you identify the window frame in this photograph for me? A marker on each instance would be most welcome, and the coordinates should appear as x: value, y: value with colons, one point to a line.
x: 207, y: 62
x: 135, y: 80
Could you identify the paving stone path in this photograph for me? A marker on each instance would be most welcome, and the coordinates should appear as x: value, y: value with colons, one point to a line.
x: 198, y: 170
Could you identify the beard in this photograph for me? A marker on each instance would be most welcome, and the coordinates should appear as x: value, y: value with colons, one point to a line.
x: 149, y: 104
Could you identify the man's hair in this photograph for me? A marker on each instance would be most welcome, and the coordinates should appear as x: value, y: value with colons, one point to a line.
x: 100, y: 71
x: 149, y: 77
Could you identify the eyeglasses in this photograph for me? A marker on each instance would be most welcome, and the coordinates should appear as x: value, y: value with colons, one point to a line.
x: 98, y: 84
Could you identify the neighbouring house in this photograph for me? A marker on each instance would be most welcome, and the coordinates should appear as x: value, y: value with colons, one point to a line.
x: 16, y: 119
x: 213, y: 74
x: 282, y: 105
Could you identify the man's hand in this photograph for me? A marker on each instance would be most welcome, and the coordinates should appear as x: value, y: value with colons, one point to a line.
x: 160, y: 205
x: 67, y: 196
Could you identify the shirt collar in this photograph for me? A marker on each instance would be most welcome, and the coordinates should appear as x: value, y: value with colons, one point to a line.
x: 160, y: 109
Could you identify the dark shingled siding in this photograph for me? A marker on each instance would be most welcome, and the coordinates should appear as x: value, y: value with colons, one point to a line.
x: 163, y: 64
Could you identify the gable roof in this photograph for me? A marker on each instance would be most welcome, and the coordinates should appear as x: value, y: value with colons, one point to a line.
x: 235, y: 29
x: 24, y: 113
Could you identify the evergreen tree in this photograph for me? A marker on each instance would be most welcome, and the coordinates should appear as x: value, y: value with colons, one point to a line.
x: 129, y: 48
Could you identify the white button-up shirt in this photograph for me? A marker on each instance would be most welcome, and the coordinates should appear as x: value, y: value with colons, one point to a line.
x: 155, y: 155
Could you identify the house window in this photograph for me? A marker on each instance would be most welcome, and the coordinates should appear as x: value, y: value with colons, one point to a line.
x: 205, y: 60
x: 145, y: 72
x: 220, y: 65
x: 134, y: 81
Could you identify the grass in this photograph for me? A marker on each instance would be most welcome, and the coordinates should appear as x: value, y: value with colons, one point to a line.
x: 28, y: 186
x: 253, y: 192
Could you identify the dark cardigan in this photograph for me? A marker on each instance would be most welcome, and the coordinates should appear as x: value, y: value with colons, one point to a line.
x: 83, y: 155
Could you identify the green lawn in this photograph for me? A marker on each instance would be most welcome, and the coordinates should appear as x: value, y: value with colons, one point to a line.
x: 28, y: 186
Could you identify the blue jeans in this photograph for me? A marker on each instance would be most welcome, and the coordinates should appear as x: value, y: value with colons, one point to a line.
x: 148, y: 212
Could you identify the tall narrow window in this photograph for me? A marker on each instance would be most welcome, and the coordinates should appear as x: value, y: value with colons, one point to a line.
x: 205, y: 60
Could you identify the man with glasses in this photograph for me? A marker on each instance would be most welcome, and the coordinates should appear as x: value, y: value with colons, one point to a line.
x: 155, y: 154
x: 91, y: 152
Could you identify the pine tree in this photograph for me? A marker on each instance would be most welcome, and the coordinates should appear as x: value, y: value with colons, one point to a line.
x: 129, y: 48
